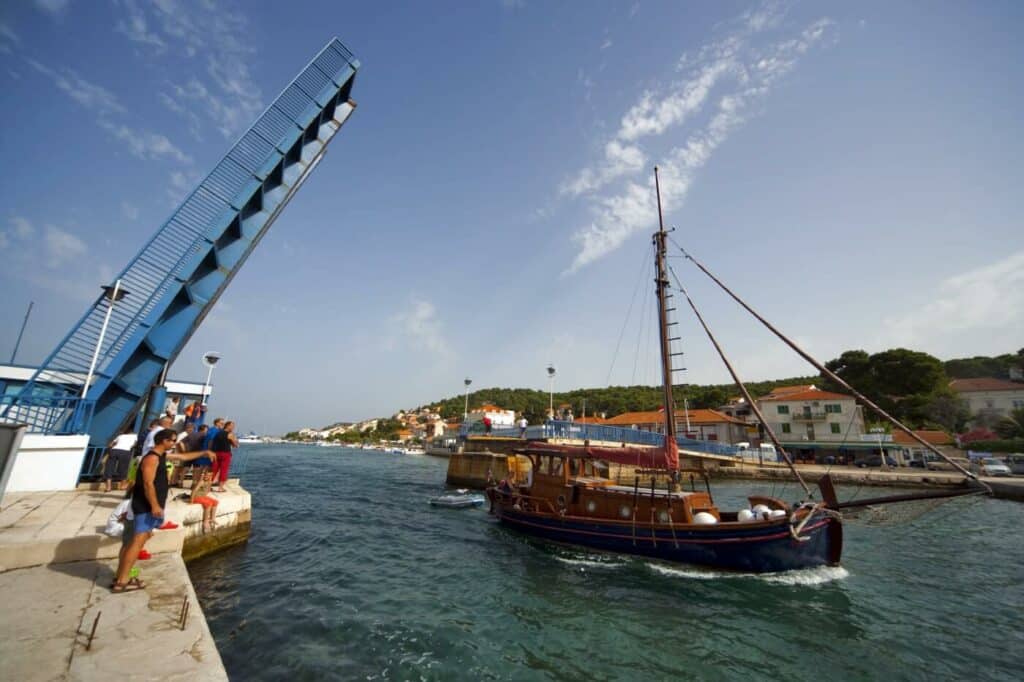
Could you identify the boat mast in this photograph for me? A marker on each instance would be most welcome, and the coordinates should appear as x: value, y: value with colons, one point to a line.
x: 666, y: 357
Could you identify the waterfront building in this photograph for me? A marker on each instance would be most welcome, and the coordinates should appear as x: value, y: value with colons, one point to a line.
x: 910, y: 450
x: 814, y: 424
x: 698, y: 424
x: 989, y: 399
x: 499, y: 418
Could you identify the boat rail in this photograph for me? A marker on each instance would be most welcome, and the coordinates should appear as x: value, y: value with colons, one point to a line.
x: 600, y: 432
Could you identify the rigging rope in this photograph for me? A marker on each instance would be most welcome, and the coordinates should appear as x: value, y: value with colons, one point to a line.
x: 644, y: 264
x: 742, y: 387
x: 830, y: 374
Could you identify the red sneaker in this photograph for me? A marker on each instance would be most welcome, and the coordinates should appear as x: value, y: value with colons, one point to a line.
x: 144, y: 554
x: 168, y: 525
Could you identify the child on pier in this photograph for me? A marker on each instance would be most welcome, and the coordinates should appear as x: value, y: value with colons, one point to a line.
x: 201, y: 495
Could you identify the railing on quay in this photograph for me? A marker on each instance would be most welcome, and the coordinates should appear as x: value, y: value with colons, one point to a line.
x: 52, y: 415
x: 600, y: 432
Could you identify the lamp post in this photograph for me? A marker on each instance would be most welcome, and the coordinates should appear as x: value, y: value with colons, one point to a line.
x: 878, y: 431
x: 210, y: 359
x: 551, y: 391
x: 113, y: 294
x: 465, y: 412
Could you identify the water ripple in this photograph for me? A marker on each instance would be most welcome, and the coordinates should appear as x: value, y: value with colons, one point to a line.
x: 352, y: 575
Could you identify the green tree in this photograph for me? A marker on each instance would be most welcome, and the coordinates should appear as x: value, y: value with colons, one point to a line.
x: 949, y: 412
x: 903, y: 382
x: 1011, y: 426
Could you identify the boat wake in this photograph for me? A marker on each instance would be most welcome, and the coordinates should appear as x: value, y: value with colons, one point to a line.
x: 590, y: 563
x: 804, y: 577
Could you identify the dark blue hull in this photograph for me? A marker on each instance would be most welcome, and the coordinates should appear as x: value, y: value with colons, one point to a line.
x: 755, y: 548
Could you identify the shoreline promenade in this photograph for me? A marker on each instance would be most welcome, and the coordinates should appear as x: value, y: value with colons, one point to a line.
x: 56, y: 567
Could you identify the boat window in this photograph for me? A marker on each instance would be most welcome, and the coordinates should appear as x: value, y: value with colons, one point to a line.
x: 588, y: 468
x: 574, y: 467
x: 556, y: 466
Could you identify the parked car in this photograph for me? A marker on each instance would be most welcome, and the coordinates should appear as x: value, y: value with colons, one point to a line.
x: 1016, y: 463
x: 990, y: 466
x: 875, y: 461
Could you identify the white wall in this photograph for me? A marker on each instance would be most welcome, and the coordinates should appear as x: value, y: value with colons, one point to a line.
x: 999, y: 402
x: 47, y: 463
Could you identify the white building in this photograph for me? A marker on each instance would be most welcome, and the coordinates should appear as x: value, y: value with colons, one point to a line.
x: 816, y: 425
x: 989, y: 399
x: 499, y: 418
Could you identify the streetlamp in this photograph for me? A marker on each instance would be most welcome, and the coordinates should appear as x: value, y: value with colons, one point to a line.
x: 878, y: 431
x: 210, y: 359
x: 465, y: 412
x: 551, y: 390
x: 113, y: 294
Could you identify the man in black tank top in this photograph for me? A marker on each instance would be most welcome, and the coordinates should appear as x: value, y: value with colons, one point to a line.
x: 149, y: 495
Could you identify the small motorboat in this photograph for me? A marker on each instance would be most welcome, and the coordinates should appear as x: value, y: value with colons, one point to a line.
x: 460, y: 499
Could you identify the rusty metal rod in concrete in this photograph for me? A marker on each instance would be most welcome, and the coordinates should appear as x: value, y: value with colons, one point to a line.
x: 92, y: 633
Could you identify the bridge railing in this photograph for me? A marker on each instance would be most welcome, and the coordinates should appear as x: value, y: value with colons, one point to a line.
x: 53, y: 415
x: 600, y: 432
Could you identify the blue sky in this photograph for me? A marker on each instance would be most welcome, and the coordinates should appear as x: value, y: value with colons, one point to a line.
x: 853, y: 169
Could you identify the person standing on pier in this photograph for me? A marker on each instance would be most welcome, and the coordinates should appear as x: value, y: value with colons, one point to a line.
x: 118, y: 460
x: 522, y: 426
x: 149, y: 495
x: 222, y: 443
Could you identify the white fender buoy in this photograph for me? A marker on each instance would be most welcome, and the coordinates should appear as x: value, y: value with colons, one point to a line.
x: 704, y: 519
x: 776, y: 514
x: 745, y: 516
x: 761, y: 509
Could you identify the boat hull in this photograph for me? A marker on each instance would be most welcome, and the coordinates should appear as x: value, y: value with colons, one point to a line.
x: 755, y: 548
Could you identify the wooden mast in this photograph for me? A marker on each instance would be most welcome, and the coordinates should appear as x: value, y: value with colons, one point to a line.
x: 671, y: 447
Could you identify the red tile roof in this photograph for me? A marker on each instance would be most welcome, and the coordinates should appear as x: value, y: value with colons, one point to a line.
x: 986, y: 384
x: 791, y: 389
x: 698, y: 416
x: 591, y: 420
x: 807, y: 394
x: 932, y: 437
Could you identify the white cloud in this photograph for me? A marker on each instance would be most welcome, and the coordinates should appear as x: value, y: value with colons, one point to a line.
x: 62, y: 247
x: 606, y: 44
x: 129, y: 211
x: 221, y: 40
x: 52, y: 7
x: 144, y: 144
x: 181, y: 183
x: 93, y: 97
x: 990, y: 297
x: 743, y: 75
x: 136, y: 28
x: 8, y: 35
x: 21, y: 227
x: 421, y: 327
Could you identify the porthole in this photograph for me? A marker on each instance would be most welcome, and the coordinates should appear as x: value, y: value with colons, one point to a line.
x: 663, y: 516
x: 591, y: 506
x: 625, y: 512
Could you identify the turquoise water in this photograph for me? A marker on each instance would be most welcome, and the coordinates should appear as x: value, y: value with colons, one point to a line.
x: 349, y: 574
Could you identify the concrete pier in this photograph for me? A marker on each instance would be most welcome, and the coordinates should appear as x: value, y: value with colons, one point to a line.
x: 56, y: 568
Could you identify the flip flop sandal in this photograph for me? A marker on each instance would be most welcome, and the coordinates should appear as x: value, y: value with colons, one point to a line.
x: 121, y: 588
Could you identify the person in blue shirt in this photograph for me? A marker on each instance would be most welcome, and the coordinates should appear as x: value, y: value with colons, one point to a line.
x: 218, y: 425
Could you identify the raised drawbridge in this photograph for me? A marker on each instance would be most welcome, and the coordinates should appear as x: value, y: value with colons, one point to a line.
x: 97, y: 378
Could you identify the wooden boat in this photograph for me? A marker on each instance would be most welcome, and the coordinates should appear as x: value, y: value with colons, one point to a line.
x: 564, y: 498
